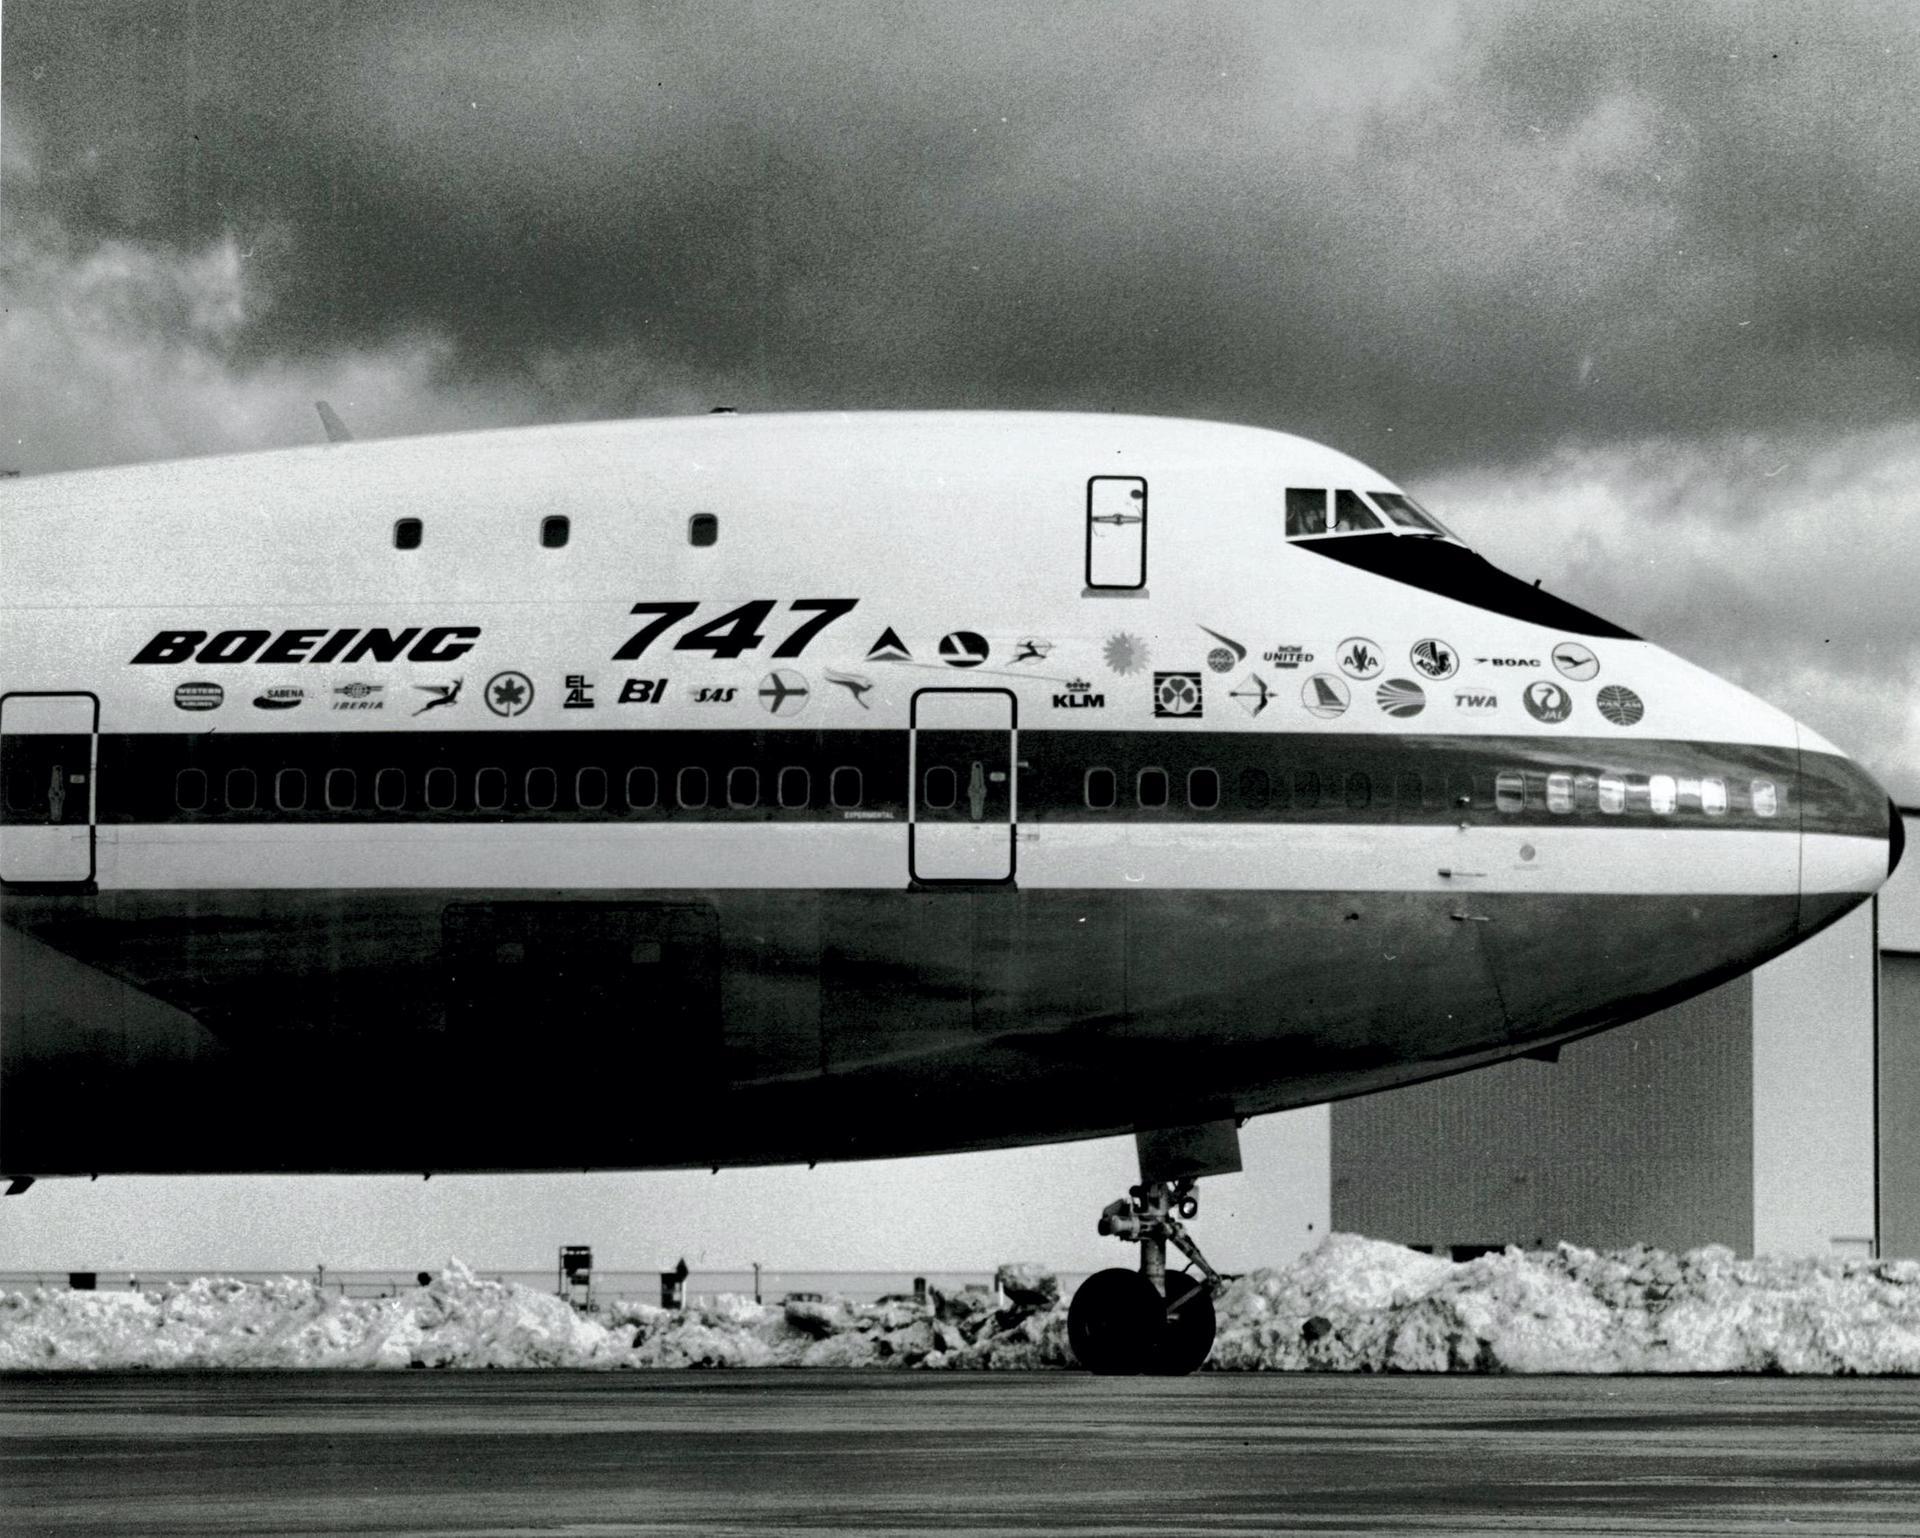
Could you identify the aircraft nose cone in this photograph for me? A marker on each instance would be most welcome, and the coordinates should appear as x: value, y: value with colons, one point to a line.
x: 1851, y: 835
x: 1896, y: 836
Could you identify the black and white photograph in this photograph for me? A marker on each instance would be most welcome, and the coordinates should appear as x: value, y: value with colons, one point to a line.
x: 911, y: 768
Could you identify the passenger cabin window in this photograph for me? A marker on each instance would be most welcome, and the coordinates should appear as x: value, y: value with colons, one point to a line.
x: 703, y: 529
x: 1150, y: 788
x: 406, y: 533
x: 643, y: 789
x: 1306, y: 511
x: 1203, y: 789
x: 443, y: 788
x: 554, y: 532
x: 243, y: 790
x: 690, y: 787
x: 342, y: 788
x: 1100, y: 789
x: 590, y: 789
x: 190, y: 790
x: 1117, y: 532
x: 743, y: 788
x: 490, y: 789
x: 390, y: 789
x: 939, y: 789
x: 845, y: 788
x: 1256, y: 789
x: 290, y: 789
x: 542, y: 790
x: 796, y: 786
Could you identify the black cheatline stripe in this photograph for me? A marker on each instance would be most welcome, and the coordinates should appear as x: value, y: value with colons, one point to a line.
x: 1264, y: 777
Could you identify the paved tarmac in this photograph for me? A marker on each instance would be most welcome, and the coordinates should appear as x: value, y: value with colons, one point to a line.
x: 915, y: 1453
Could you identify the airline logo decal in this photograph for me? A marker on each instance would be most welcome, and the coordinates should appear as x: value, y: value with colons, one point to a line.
x: 279, y: 697
x: 854, y: 684
x: 1325, y: 695
x: 1547, y: 701
x: 1178, y: 694
x: 1125, y: 653
x: 1434, y: 659
x: 1475, y: 702
x: 889, y: 648
x: 1252, y: 694
x: 1360, y: 658
x: 509, y: 694
x: 736, y: 632
x: 1532, y: 664
x: 1576, y: 661
x: 442, y: 694
x: 359, y: 696
x: 784, y: 692
x: 1227, y: 656
x: 704, y: 694
x: 579, y: 694
x: 963, y: 648
x: 1079, y: 696
x: 440, y: 643
x: 643, y: 691
x: 1620, y: 705
x: 1401, y: 697
x: 199, y: 696
x: 1287, y: 656
x: 1032, y: 650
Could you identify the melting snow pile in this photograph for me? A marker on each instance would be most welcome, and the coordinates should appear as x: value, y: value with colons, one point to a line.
x: 1350, y: 1305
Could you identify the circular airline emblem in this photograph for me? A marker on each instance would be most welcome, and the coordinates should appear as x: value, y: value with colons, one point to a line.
x: 1576, y: 661
x: 963, y: 649
x: 1360, y: 658
x: 199, y: 696
x: 1325, y: 695
x: 1221, y: 660
x: 1620, y: 705
x: 1547, y: 701
x: 785, y: 692
x: 1177, y: 694
x: 1435, y: 659
x: 1401, y: 697
x: 509, y: 694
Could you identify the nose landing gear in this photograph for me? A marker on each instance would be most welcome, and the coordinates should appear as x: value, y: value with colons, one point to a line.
x: 1147, y: 1321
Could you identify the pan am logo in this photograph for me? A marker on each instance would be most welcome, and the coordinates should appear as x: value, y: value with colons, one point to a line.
x: 1435, y: 659
x: 1547, y: 701
x: 1325, y: 695
x: 1401, y: 697
x: 1576, y: 661
x: 1359, y: 658
x: 199, y: 696
x: 1177, y: 694
x: 1620, y: 705
x: 963, y: 648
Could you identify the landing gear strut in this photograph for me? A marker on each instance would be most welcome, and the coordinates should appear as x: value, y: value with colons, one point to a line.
x: 1148, y: 1321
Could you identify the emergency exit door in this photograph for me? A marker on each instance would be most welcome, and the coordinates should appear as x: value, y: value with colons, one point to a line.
x: 963, y: 796
x: 46, y: 787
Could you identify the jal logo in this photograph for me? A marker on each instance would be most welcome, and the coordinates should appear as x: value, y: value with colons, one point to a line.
x: 1287, y: 657
x: 963, y: 649
x: 1360, y: 658
x: 1547, y: 701
x: 1471, y: 702
x: 1177, y: 694
x: 643, y: 691
x: 708, y: 695
x: 199, y: 696
x: 359, y: 696
x: 1434, y: 660
x: 282, y: 697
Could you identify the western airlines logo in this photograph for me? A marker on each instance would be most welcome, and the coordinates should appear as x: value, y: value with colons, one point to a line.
x: 440, y: 643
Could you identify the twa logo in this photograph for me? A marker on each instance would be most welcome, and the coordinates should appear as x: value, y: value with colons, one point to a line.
x: 1475, y: 702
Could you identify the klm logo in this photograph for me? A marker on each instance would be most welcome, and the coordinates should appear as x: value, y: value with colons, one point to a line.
x: 1079, y: 702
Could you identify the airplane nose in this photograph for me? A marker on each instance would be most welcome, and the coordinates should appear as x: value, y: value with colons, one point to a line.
x: 1851, y: 835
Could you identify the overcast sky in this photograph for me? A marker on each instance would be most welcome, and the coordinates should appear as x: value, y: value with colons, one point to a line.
x: 1630, y: 293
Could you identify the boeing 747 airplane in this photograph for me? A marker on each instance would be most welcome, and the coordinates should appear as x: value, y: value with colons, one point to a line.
x: 741, y: 790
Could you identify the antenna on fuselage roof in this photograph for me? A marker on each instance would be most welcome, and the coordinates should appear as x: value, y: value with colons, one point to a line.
x: 330, y: 420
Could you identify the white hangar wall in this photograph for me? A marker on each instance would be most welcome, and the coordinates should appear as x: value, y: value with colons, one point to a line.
x: 1777, y: 1114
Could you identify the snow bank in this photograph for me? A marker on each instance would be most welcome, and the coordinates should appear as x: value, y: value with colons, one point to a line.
x: 1350, y: 1305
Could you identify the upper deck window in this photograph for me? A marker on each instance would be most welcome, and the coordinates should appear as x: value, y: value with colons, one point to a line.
x: 1306, y: 511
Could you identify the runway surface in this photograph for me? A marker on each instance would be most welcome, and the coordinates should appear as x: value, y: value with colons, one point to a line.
x: 903, y: 1453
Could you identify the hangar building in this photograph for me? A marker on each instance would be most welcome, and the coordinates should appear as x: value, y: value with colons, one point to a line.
x: 1777, y: 1114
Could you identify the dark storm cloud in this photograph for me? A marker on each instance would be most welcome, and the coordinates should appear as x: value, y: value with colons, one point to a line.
x: 1430, y: 236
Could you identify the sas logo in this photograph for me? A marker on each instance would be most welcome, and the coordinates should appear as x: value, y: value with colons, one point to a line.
x: 643, y: 691
x: 1079, y: 696
x: 1434, y: 659
x: 1620, y: 705
x: 1401, y: 697
x: 1547, y: 701
x: 359, y: 696
x: 1475, y: 702
x: 1287, y: 656
x: 705, y: 695
x: 199, y: 696
x: 1360, y: 658
x: 280, y: 697
x: 1178, y: 694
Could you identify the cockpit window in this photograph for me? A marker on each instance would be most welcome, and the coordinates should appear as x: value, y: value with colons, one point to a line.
x: 1406, y: 512
x: 1351, y: 514
x: 1306, y: 511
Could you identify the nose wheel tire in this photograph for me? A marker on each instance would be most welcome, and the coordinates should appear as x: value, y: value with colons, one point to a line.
x: 1114, y: 1323
x: 1186, y: 1338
